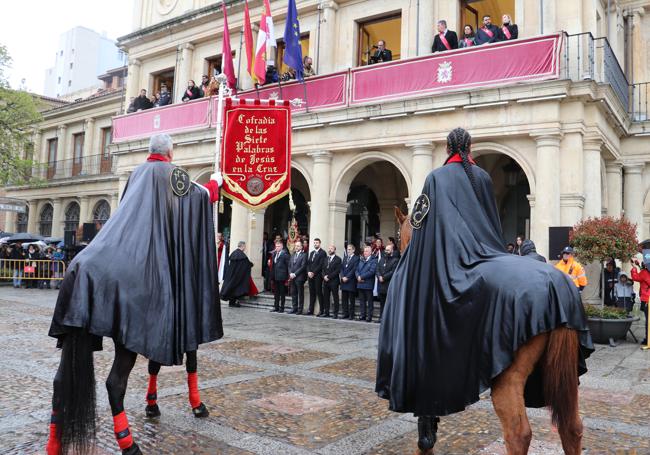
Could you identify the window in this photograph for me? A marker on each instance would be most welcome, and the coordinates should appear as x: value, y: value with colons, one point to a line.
x: 164, y: 77
x: 106, y: 141
x: 388, y: 29
x: 78, y: 153
x: 21, y: 221
x: 101, y: 213
x: 304, y: 44
x: 72, y: 217
x: 45, y: 221
x: 52, y: 145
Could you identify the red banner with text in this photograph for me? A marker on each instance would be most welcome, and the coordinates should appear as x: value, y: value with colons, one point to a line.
x: 256, y: 152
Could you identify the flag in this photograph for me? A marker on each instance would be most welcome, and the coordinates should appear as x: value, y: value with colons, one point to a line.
x: 293, y: 49
x: 248, y: 41
x: 228, y: 68
x: 265, y: 41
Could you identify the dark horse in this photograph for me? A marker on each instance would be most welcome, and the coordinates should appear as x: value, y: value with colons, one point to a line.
x: 557, y: 351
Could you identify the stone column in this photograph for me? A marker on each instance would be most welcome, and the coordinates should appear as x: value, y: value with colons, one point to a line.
x: 592, y: 177
x: 115, y: 199
x: 89, y: 143
x: 32, y: 219
x: 638, y: 45
x: 84, y: 210
x: 10, y: 221
x: 634, y: 193
x: 547, y: 190
x: 427, y: 23
x: 238, y: 225
x: 422, y: 164
x: 572, y: 191
x: 326, y: 62
x: 439, y: 154
x: 58, y: 218
x: 184, y: 70
x: 338, y: 210
x: 614, y: 189
x: 62, y: 153
x: 319, y: 223
x: 254, y: 250
x: 37, y: 154
x: 132, y: 82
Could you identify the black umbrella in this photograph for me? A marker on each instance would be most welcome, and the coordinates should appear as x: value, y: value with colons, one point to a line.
x: 24, y: 237
x: 50, y: 240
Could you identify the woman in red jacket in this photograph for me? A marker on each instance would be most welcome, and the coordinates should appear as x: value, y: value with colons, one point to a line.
x: 643, y: 277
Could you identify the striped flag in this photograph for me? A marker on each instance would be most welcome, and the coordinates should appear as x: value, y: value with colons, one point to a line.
x: 248, y: 42
x: 265, y: 41
x: 226, y: 53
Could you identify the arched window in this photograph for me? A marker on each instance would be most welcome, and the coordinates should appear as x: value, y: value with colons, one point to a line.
x: 72, y: 217
x: 45, y: 220
x: 21, y: 221
x: 101, y: 213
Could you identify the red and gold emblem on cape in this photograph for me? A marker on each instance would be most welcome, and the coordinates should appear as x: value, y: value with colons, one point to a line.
x: 256, y: 152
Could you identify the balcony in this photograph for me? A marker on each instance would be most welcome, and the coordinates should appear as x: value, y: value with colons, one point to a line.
x: 547, y: 57
x: 85, y: 167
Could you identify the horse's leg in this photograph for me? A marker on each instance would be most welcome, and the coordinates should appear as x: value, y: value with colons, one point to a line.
x: 54, y: 440
x: 427, y: 433
x: 152, y: 409
x: 198, y: 408
x: 508, y: 396
x: 116, y: 386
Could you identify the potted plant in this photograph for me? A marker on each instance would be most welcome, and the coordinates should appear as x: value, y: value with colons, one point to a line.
x: 596, y: 239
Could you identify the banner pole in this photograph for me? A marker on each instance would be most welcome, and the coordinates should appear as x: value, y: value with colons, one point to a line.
x: 224, y: 91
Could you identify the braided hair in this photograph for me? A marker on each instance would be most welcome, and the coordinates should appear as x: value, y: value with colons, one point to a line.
x: 459, y: 142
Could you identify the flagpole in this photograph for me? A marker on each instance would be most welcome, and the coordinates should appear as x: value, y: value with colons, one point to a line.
x: 224, y: 91
x: 304, y: 89
x: 241, y: 42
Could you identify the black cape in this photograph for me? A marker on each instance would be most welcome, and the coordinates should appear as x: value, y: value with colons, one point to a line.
x: 459, y: 306
x: 236, y: 279
x: 148, y: 280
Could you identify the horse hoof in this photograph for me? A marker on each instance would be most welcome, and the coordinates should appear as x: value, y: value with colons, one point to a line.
x: 152, y: 411
x: 425, y: 445
x: 133, y: 450
x: 200, y: 411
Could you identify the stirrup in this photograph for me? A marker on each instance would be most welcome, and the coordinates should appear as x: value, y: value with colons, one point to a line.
x: 200, y: 411
x: 427, y: 432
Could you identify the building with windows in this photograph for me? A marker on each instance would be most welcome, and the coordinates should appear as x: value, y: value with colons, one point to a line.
x: 560, y: 145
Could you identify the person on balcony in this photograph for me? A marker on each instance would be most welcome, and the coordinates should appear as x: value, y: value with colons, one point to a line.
x: 142, y: 103
x: 271, y: 75
x: 212, y: 89
x: 308, y: 68
x: 509, y: 31
x: 192, y: 92
x: 165, y: 96
x: 131, y: 107
x: 205, y: 81
x: 290, y: 75
x: 489, y: 33
x: 381, y: 54
x: 469, y: 38
x: 445, y: 40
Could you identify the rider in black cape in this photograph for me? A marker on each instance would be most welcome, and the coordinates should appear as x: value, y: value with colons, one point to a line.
x: 459, y: 306
x: 147, y: 280
x: 237, y: 277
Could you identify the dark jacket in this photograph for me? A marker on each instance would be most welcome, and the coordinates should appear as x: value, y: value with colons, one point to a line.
x: 331, y: 270
x: 280, y: 266
x: 191, y: 94
x: 316, y: 261
x: 298, y: 265
x: 379, y: 57
x: 348, y: 270
x: 438, y: 45
x: 463, y: 44
x: 529, y: 250
x: 165, y: 99
x: 366, y: 271
x: 236, y: 280
x: 385, y: 268
x: 514, y: 32
x: 482, y: 37
x: 142, y: 103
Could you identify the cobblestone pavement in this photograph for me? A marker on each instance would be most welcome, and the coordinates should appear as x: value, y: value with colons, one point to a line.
x: 282, y: 384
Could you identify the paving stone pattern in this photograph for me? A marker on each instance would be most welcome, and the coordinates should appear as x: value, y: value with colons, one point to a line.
x: 284, y: 384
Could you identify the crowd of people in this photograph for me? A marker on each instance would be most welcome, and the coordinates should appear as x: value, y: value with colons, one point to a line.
x: 34, y: 266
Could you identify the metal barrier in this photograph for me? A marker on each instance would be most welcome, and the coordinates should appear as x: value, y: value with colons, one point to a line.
x: 26, y: 269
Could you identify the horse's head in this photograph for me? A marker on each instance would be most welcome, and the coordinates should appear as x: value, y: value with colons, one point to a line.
x: 405, y: 229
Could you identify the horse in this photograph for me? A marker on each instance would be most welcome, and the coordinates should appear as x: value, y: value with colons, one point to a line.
x: 557, y: 353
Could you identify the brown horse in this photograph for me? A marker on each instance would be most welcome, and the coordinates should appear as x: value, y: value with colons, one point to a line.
x: 558, y: 353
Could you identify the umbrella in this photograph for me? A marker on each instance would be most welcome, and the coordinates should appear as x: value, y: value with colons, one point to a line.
x: 24, y: 237
x: 49, y: 240
x: 39, y: 243
x: 60, y: 245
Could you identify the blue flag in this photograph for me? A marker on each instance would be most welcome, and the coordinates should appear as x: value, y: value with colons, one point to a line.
x: 292, y: 48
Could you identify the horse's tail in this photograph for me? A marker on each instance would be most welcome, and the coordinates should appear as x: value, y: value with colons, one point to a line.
x: 77, y: 393
x: 561, y: 376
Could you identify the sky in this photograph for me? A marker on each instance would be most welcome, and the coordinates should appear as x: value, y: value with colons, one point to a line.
x: 31, y: 31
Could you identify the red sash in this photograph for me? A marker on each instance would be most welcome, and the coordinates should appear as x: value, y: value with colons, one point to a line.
x: 469, y: 42
x: 488, y: 32
x: 444, y: 41
x: 189, y: 92
x: 506, y: 32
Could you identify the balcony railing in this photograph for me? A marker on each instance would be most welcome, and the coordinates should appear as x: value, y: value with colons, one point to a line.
x: 79, y: 168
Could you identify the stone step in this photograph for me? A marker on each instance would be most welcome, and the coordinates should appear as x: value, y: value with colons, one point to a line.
x: 266, y: 300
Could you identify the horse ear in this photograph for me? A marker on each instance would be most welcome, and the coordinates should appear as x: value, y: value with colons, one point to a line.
x: 399, y: 215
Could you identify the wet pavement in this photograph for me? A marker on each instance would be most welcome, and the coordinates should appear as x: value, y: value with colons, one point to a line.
x: 284, y: 384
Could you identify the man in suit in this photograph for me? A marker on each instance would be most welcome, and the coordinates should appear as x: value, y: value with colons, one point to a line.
x: 331, y: 282
x: 315, y: 265
x: 279, y: 274
x: 488, y: 33
x: 298, y: 276
x: 365, y: 276
x: 349, y: 282
x: 445, y: 40
x: 385, y: 268
x: 381, y: 54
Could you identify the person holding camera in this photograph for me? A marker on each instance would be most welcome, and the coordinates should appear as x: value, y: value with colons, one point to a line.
x: 381, y: 54
x: 642, y: 276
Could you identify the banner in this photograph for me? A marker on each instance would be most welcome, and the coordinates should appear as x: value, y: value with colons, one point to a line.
x: 256, y: 152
